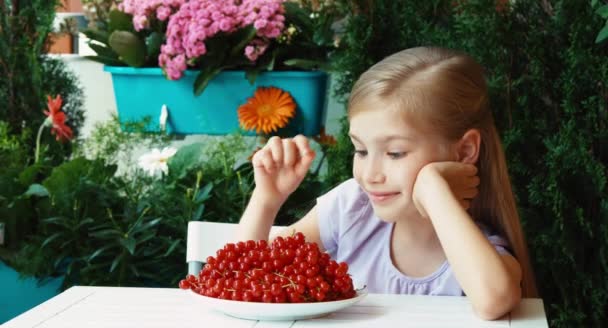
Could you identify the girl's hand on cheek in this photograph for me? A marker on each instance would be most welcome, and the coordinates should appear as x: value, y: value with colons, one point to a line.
x: 458, y: 178
x: 280, y: 167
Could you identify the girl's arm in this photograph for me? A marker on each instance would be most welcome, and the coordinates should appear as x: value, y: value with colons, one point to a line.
x: 278, y: 168
x: 490, y: 280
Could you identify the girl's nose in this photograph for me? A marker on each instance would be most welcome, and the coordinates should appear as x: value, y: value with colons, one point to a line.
x: 374, y: 172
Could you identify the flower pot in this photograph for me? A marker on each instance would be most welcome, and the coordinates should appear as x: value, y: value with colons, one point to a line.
x: 19, y: 294
x: 142, y: 92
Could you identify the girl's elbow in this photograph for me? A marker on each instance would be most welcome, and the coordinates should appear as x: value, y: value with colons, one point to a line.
x: 497, y: 304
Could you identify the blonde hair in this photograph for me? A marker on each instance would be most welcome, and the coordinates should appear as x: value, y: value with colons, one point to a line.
x: 445, y: 92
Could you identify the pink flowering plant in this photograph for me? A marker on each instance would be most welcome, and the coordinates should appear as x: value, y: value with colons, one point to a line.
x: 215, y: 35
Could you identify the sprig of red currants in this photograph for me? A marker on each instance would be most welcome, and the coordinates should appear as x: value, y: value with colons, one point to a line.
x: 290, y: 270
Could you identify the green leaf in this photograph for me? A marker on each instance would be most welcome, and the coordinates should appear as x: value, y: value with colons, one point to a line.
x: 106, y: 234
x: 85, y: 222
x: 137, y: 223
x: 298, y: 16
x: 196, y: 216
x: 148, y: 225
x: 153, y: 43
x: 172, y: 247
x: 203, y: 194
x: 71, y: 177
x: 306, y: 64
x: 243, y: 37
x: 602, y: 35
x: 30, y: 174
x: 98, y: 252
x: 103, y: 51
x: 129, y: 47
x: 186, y: 158
x: 120, y: 21
x: 129, y: 244
x: 134, y: 270
x: 252, y: 75
x: 203, y: 79
x: 59, y: 220
x: 147, y: 236
x: 116, y: 262
x: 106, y: 60
x: 50, y: 239
x: 265, y: 63
x: 96, y: 35
x: 602, y: 11
x: 37, y: 190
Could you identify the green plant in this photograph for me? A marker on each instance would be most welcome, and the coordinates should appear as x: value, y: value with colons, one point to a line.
x: 602, y: 11
x: 116, y: 143
x: 135, y: 35
x: 547, y: 81
x: 14, y: 180
x: 28, y: 75
x: 99, y: 219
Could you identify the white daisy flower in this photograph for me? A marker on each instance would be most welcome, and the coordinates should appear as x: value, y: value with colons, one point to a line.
x: 156, y: 160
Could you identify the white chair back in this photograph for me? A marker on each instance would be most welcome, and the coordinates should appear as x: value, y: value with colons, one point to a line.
x: 205, y: 238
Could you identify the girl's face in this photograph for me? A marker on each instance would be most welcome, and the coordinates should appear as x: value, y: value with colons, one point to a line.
x: 389, y: 153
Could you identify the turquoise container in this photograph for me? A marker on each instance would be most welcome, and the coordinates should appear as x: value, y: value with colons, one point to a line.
x: 21, y: 294
x: 141, y: 92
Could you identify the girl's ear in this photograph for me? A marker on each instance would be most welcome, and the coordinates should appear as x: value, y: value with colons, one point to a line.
x: 468, y: 147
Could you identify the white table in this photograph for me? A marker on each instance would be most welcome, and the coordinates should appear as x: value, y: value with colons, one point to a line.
x: 105, y: 307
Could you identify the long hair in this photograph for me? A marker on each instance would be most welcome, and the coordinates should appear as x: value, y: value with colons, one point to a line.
x: 445, y: 92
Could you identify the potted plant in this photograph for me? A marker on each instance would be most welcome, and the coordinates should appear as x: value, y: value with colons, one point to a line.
x: 203, y: 59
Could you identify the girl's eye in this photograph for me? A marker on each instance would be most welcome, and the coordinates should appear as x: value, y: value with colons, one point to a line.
x: 395, y: 155
x: 361, y: 153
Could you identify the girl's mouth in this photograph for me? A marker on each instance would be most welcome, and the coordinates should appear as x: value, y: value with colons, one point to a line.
x: 382, y: 197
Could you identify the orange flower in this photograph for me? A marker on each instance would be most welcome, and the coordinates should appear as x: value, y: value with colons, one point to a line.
x: 267, y: 111
x: 57, y: 118
x: 325, y: 139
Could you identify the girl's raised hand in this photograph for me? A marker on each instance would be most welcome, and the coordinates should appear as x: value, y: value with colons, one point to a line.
x: 459, y: 178
x: 281, y: 165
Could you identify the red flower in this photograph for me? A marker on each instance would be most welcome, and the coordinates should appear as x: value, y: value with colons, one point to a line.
x: 325, y: 139
x: 57, y: 118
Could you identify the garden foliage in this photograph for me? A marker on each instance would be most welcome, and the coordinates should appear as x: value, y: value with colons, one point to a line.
x: 27, y: 75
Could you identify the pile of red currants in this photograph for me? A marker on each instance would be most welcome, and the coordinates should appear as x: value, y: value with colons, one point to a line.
x: 290, y: 270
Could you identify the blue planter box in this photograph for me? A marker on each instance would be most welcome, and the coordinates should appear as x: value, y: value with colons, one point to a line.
x: 141, y: 92
x: 19, y: 295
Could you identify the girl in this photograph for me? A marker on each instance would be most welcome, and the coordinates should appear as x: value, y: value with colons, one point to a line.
x: 430, y: 181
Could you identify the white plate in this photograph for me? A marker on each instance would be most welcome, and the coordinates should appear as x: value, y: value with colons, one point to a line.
x: 276, y: 311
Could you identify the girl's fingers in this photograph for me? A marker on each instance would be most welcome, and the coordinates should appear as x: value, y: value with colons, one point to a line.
x: 256, y: 161
x: 276, y: 149
x: 465, y: 204
x: 303, y: 145
x: 471, y: 170
x: 290, y: 152
x: 263, y: 160
x: 307, y: 155
x: 474, y: 181
x: 470, y: 193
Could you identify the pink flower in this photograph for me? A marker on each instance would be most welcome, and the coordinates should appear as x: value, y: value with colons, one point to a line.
x: 145, y: 10
x: 194, y: 22
x: 260, y: 24
x: 163, y: 12
x: 255, y: 49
